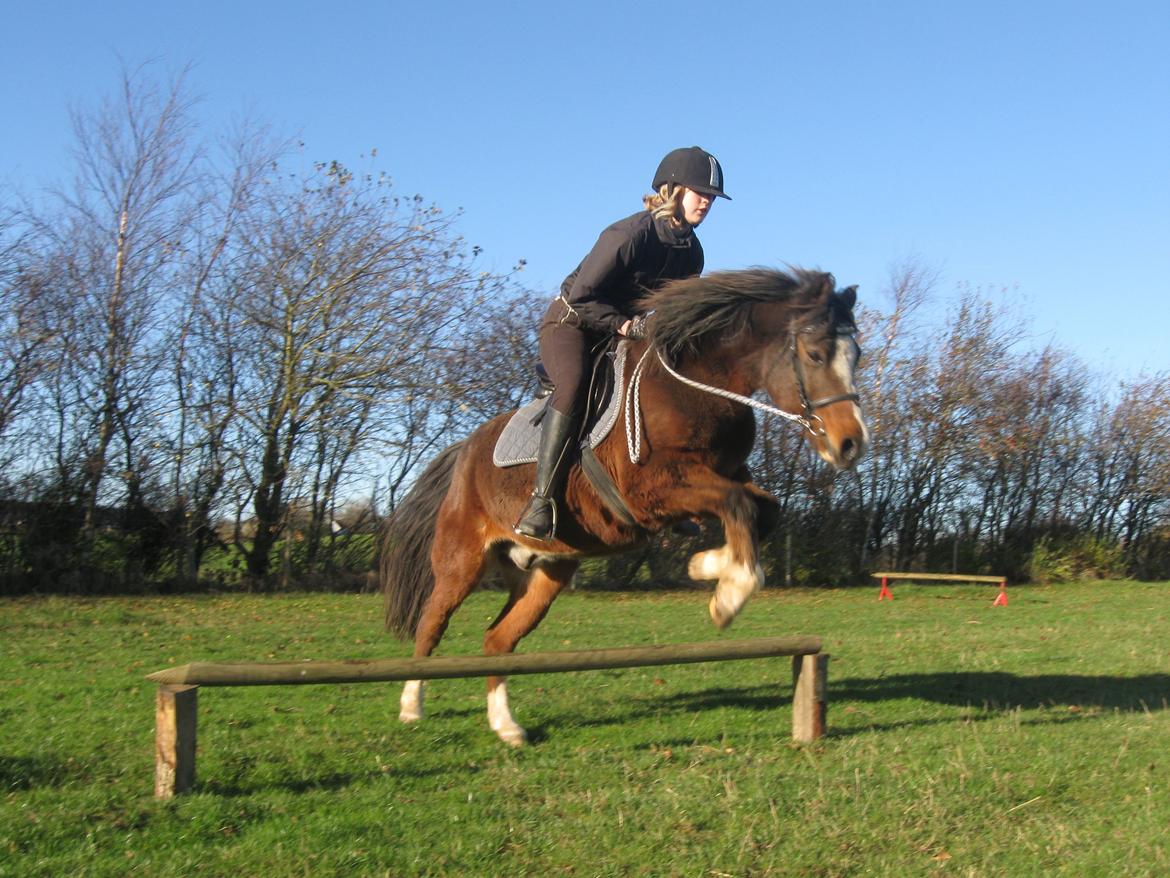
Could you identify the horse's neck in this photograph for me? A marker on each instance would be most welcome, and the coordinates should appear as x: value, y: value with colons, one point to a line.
x: 694, y: 402
x: 700, y: 419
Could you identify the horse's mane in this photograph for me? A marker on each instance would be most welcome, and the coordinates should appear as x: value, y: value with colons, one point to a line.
x: 696, y: 311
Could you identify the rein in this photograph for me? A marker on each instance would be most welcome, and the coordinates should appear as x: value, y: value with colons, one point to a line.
x: 633, y: 403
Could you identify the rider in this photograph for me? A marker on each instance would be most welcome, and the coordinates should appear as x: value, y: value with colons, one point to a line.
x: 599, y: 299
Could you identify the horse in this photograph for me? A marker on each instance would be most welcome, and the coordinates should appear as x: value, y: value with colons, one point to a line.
x: 711, y: 342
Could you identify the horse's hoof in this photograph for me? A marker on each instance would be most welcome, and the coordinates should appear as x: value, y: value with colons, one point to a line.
x: 719, y: 616
x: 513, y: 737
x: 409, y: 716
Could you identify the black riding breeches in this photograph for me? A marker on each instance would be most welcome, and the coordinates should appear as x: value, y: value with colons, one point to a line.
x: 566, y: 352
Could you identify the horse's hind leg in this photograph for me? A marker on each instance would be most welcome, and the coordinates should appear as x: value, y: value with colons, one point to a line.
x: 458, y: 569
x: 530, y: 599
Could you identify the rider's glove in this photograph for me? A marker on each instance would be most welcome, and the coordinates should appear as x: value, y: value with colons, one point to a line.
x: 637, y: 328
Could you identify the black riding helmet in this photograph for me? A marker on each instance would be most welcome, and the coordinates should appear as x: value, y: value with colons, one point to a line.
x: 694, y: 168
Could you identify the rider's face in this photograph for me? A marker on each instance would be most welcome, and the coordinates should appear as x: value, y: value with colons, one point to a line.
x: 696, y: 206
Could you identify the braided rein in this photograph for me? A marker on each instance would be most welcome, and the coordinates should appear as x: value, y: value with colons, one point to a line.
x: 633, y: 404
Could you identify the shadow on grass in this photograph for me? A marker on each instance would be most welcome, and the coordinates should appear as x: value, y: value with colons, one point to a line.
x: 996, y: 690
x: 992, y: 692
x: 32, y: 772
x: 328, y: 782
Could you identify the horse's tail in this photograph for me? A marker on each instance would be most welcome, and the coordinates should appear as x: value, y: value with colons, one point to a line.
x: 407, y: 578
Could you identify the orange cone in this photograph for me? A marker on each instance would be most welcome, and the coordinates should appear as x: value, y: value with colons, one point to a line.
x: 1001, y: 600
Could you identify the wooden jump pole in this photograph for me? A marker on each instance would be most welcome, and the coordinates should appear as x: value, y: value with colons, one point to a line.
x: 177, y: 704
x: 451, y: 667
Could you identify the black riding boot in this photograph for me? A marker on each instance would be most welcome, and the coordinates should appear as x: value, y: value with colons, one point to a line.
x: 539, y: 518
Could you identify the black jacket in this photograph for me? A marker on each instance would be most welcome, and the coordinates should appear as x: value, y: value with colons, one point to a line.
x: 632, y: 257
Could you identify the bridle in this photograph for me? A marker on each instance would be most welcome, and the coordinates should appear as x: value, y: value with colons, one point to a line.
x: 809, y: 419
x: 810, y: 406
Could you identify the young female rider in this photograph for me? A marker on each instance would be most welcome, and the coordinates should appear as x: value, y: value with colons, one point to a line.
x: 600, y: 298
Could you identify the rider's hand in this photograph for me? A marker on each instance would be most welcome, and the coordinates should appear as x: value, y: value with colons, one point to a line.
x: 635, y: 327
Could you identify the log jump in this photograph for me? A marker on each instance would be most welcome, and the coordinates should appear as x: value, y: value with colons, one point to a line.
x: 176, y: 710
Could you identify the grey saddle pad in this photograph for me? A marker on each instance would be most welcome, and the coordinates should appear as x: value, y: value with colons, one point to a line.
x: 521, y: 437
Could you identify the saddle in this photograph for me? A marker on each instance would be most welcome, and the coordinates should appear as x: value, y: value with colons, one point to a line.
x: 520, y: 440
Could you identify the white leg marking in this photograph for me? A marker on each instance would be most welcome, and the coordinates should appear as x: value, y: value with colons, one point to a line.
x: 737, y: 584
x: 709, y: 564
x: 411, y: 703
x: 500, y: 717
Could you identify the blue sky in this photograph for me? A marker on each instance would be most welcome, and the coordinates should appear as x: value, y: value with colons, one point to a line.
x: 1021, y: 148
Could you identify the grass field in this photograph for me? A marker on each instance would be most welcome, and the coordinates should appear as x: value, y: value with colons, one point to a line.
x: 964, y: 740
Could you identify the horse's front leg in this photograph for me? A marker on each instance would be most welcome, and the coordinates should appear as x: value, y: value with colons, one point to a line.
x: 738, y: 572
x: 735, y: 565
x: 739, y: 506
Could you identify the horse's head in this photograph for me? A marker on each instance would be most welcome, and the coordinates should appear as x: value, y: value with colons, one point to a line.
x: 789, y: 334
x: 809, y: 369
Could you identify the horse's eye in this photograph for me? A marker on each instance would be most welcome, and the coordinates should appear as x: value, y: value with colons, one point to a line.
x: 816, y: 358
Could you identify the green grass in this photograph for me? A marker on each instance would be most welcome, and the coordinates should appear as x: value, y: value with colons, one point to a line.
x: 964, y: 740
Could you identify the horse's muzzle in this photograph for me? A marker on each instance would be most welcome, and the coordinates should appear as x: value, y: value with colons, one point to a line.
x: 842, y: 454
x: 850, y: 452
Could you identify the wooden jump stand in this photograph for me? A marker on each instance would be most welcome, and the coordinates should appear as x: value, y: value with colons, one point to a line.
x: 176, y: 713
x: 884, y: 594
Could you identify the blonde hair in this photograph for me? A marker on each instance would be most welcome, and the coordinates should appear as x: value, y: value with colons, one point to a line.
x: 667, y: 202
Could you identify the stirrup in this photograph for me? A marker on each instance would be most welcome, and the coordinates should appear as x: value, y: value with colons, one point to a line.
x: 537, y: 506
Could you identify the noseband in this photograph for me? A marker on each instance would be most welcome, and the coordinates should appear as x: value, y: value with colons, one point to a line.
x: 812, y: 420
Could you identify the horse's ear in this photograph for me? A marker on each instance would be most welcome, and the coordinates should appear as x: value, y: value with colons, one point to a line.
x: 849, y: 297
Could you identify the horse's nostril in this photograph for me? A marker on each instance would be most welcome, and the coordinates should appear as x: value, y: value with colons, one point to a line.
x: 848, y: 450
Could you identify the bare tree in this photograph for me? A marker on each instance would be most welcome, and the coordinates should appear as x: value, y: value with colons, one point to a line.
x: 493, y: 368
x: 203, y: 348
x: 1027, y: 438
x: 1129, y: 463
x: 947, y: 412
x: 343, y: 293
x: 116, y: 235
x: 25, y: 331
